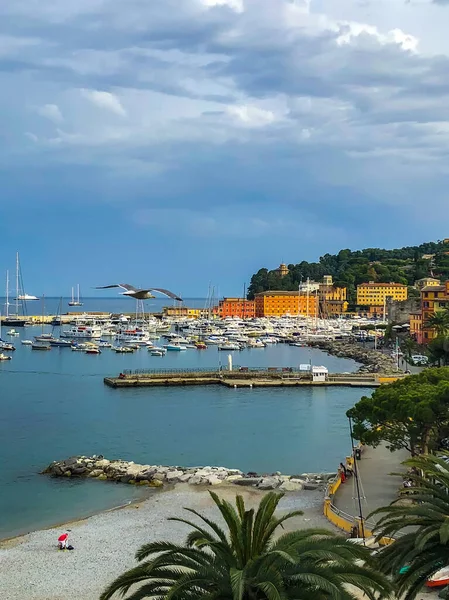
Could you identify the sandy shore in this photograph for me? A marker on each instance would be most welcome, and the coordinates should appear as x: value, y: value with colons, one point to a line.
x: 31, y: 566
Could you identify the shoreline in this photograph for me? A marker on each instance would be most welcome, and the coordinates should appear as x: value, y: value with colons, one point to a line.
x: 105, y: 544
x: 371, y: 361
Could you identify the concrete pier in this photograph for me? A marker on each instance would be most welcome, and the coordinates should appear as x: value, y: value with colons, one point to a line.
x: 242, y: 377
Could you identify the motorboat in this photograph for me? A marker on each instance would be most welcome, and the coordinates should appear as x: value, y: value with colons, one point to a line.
x: 93, y: 350
x: 4, y: 356
x: 229, y: 346
x: 6, y: 347
x: 86, y: 332
x: 175, y: 347
x: 40, y: 345
x: 104, y: 344
x: 26, y: 343
x: 158, y: 351
x: 201, y: 346
x: 79, y: 347
x: 123, y: 350
x: 133, y: 336
x: 12, y: 332
x: 256, y: 344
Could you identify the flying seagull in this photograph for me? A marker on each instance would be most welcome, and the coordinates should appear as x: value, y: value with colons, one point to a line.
x: 139, y: 294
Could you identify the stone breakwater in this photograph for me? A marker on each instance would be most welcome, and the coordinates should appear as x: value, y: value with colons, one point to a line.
x: 372, y: 361
x: 120, y: 471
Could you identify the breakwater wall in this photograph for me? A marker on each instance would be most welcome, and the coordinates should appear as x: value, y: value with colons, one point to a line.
x: 244, y: 377
x: 121, y: 471
x: 372, y: 361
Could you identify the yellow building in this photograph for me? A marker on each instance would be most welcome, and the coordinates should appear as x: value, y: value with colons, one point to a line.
x: 282, y: 270
x: 279, y: 303
x: 375, y: 294
x: 184, y: 311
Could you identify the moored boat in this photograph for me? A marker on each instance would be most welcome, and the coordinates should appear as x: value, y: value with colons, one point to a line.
x: 174, y: 347
x: 6, y: 347
x: 4, y: 357
x: 40, y: 345
x: 92, y: 350
x: 60, y: 343
x: 123, y: 350
x: 26, y: 343
x: 12, y: 332
x: 439, y: 579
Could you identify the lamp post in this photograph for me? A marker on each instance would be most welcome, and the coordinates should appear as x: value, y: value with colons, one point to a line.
x: 357, y: 483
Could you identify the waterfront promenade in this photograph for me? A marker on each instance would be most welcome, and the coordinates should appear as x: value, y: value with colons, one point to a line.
x: 379, y: 487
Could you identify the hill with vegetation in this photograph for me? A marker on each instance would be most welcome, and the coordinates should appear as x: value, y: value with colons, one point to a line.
x: 350, y: 268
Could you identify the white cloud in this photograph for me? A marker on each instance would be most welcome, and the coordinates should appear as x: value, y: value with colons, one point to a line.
x: 252, y: 116
x: 236, y: 5
x: 51, y: 112
x: 105, y: 100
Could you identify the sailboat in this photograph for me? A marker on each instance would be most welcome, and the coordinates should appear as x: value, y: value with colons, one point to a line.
x: 76, y: 302
x: 20, y: 299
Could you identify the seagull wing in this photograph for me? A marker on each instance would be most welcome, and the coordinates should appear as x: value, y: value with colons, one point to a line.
x: 166, y: 293
x: 124, y: 286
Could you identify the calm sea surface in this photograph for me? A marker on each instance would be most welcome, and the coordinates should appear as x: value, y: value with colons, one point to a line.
x: 54, y: 405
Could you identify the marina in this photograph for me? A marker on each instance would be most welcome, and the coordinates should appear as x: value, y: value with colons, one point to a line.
x: 54, y: 404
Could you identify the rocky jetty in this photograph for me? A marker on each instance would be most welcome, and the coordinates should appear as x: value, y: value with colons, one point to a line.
x: 121, y: 471
x: 372, y: 361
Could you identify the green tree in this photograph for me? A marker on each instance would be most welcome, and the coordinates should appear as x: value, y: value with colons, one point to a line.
x: 409, y: 413
x: 420, y: 527
x: 438, y: 350
x: 246, y: 563
x: 439, y: 321
x: 408, y: 346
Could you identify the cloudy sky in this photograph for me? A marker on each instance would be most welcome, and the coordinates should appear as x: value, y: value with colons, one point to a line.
x: 180, y: 142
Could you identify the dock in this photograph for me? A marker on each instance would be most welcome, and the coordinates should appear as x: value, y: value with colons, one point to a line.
x: 244, y: 377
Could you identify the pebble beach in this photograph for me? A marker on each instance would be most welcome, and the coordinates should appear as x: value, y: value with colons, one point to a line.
x: 32, y: 567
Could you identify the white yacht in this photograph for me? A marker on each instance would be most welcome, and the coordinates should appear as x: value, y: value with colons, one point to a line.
x: 84, y: 332
x: 133, y: 336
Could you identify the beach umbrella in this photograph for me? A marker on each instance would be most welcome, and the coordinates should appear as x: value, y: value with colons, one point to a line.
x: 63, y: 537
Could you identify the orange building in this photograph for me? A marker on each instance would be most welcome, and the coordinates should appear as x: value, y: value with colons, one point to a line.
x: 279, y: 303
x: 236, y: 307
x: 433, y: 299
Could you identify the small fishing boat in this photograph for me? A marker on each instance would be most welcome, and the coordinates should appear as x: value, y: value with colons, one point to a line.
x: 175, y: 347
x: 440, y: 579
x: 123, y: 350
x: 229, y: 346
x: 158, y: 352
x: 79, y: 347
x: 12, y: 332
x: 7, y: 347
x: 40, y: 345
x: 92, y: 351
x: 27, y: 343
x: 4, y: 357
x: 201, y: 346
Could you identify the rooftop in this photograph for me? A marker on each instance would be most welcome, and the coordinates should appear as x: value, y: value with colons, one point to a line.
x: 434, y: 288
x: 281, y: 293
x: 374, y: 284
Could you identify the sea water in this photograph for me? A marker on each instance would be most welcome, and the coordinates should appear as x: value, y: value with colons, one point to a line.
x: 54, y: 405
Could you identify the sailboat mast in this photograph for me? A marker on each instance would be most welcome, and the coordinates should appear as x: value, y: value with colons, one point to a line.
x: 7, y: 293
x: 78, y: 293
x: 17, y: 284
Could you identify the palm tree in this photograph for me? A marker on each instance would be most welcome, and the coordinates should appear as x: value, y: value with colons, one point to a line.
x: 439, y: 321
x: 420, y: 526
x: 246, y: 563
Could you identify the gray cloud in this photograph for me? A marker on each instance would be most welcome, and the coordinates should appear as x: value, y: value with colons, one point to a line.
x: 272, y: 102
